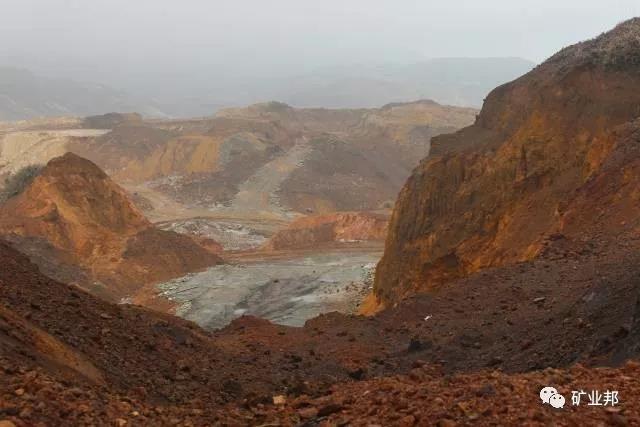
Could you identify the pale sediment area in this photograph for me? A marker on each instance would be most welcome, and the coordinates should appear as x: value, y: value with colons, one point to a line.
x: 287, y: 291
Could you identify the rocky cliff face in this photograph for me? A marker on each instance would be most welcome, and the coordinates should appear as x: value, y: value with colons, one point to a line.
x: 550, y: 152
x: 86, y: 220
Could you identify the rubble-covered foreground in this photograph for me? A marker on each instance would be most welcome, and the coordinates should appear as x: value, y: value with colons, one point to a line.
x: 421, y: 398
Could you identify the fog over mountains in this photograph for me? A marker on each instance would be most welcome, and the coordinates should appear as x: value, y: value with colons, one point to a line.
x: 454, y: 81
x: 164, y: 59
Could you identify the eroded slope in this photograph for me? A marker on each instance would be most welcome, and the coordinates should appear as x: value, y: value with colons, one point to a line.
x: 305, y: 159
x: 85, y: 220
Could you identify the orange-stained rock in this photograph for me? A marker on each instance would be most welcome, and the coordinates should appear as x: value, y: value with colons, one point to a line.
x: 370, y: 305
x: 342, y: 227
x: 540, y: 150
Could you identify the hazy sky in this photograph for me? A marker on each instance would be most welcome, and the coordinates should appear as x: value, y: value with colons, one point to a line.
x: 116, y: 37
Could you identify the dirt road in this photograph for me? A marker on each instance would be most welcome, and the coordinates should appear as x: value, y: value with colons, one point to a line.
x: 259, y: 193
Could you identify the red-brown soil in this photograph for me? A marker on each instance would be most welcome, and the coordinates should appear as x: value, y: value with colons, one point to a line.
x: 343, y: 227
x: 165, y: 368
x: 74, y: 214
x: 424, y: 397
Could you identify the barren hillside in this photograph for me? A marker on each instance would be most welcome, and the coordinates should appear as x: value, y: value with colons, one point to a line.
x: 72, y: 216
x: 301, y: 160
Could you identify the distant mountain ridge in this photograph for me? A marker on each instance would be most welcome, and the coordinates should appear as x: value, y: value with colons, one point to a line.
x: 317, y: 160
x: 24, y: 95
x: 452, y: 81
x: 462, y: 82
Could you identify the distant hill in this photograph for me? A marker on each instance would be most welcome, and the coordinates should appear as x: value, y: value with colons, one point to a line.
x: 460, y: 82
x: 306, y: 160
x: 451, y: 81
x: 24, y: 95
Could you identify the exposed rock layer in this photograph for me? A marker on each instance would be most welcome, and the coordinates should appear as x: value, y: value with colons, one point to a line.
x: 552, y: 152
x: 343, y: 227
